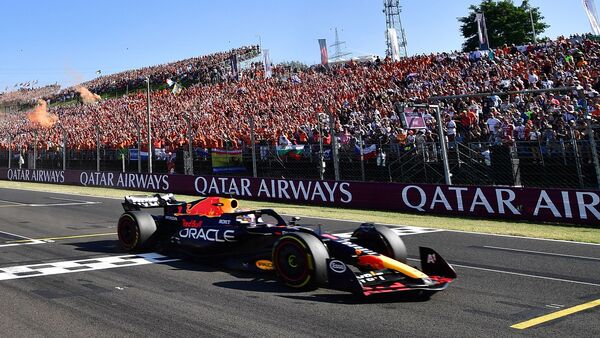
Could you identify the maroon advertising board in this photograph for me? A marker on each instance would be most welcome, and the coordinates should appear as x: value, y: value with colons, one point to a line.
x: 540, y: 205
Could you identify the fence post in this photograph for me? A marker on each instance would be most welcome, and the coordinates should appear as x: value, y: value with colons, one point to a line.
x: 190, y: 147
x: 65, y: 138
x: 253, y: 145
x: 334, y: 148
x: 139, y: 148
x: 9, y: 150
x: 442, y: 137
x: 577, y: 158
x: 97, y: 148
x: 35, y: 150
x: 594, y: 152
x: 321, y: 169
x: 362, y: 158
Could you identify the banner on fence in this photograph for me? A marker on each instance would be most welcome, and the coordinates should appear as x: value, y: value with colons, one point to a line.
x: 134, y: 153
x: 159, y: 154
x: 369, y: 152
x: 295, y: 151
x: 531, y: 204
x: 227, y: 161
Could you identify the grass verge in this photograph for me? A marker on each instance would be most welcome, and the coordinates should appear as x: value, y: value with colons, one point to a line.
x: 501, y: 227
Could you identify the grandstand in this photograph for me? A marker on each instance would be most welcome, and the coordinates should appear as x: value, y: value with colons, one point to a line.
x: 368, y: 100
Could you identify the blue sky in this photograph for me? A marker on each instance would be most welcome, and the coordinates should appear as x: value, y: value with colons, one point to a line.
x: 66, y: 41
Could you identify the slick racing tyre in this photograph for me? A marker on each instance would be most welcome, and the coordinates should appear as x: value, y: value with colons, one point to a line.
x: 136, y: 230
x: 381, y: 239
x: 300, y: 261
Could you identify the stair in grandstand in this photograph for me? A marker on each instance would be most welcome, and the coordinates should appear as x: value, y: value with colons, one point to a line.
x: 468, y: 166
x: 417, y: 166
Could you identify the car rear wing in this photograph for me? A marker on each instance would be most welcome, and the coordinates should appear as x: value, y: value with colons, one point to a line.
x: 144, y: 202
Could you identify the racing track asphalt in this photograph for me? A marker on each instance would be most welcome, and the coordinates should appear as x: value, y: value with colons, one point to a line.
x: 502, y: 281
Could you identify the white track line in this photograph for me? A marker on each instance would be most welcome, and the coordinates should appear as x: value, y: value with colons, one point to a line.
x: 11, y: 202
x: 72, y: 200
x: 90, y: 264
x: 540, y: 252
x: 518, y: 274
x: 49, y: 204
x: 523, y: 237
x: 31, y: 240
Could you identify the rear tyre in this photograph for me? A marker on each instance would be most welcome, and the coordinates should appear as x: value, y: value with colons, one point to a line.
x: 300, y: 261
x: 381, y: 239
x: 136, y: 230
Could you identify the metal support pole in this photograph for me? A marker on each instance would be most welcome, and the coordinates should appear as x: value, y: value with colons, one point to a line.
x: 139, y: 148
x: 35, y: 150
x: 334, y: 148
x: 65, y: 137
x: 362, y: 157
x: 149, y: 127
x: 190, y: 145
x: 443, y: 145
x: 97, y: 148
x: 592, y: 139
x: 594, y: 152
x: 253, y: 145
x: 321, y: 169
x: 9, y: 151
x: 577, y: 158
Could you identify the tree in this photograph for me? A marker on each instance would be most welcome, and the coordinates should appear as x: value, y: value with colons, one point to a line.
x: 506, y: 23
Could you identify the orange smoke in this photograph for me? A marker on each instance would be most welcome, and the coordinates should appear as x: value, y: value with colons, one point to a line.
x: 41, y: 116
x: 86, y: 95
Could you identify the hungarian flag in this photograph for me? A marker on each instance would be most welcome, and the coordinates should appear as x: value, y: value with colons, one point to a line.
x: 369, y: 152
x: 293, y: 151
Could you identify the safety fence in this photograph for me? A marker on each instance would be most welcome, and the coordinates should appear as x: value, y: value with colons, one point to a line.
x: 544, y: 164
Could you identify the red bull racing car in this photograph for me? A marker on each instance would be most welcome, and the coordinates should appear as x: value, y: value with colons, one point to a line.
x: 372, y: 261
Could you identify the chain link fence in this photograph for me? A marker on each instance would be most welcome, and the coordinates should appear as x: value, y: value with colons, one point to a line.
x: 545, y: 164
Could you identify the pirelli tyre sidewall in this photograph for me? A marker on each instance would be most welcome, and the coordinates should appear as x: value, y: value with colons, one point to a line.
x: 135, y: 230
x: 300, y: 261
x: 382, y: 240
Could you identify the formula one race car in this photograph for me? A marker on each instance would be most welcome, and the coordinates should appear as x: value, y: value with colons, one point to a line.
x: 372, y: 261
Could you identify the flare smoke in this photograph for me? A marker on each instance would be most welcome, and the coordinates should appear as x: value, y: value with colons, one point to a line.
x: 41, y: 116
x: 86, y: 95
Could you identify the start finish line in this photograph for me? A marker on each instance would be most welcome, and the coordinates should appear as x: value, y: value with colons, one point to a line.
x: 539, y: 205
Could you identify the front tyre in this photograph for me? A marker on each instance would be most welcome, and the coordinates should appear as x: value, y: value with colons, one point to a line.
x: 381, y: 239
x: 136, y: 230
x: 300, y: 261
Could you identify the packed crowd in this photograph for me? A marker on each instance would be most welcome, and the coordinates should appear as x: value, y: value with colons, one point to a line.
x: 28, y: 95
x: 367, y: 100
x: 207, y: 69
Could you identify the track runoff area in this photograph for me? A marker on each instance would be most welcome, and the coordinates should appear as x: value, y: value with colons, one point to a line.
x: 62, y: 272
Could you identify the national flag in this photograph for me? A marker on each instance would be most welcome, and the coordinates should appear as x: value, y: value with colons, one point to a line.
x: 484, y: 43
x: 227, y: 161
x: 590, y: 11
x: 369, y: 152
x: 233, y: 60
x: 392, y: 36
x: 267, y: 65
x: 324, y: 55
x: 293, y: 151
x: 177, y: 88
x: 296, y: 79
x: 170, y: 82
